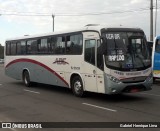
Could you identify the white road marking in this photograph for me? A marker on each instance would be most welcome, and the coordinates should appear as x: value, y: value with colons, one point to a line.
x: 150, y: 94
x: 32, y: 91
x: 99, y: 107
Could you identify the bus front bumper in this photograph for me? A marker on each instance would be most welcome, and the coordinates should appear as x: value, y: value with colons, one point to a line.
x: 117, y: 87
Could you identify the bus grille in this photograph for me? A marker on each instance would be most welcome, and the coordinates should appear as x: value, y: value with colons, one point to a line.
x: 134, y: 79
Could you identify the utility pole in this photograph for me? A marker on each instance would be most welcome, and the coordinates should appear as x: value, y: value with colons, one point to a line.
x: 151, y: 21
x: 156, y: 19
x: 53, y: 21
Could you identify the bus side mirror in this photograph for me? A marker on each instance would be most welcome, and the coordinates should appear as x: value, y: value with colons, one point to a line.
x: 101, y: 40
x: 103, y: 45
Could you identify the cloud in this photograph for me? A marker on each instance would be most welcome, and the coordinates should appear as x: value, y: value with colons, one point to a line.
x: 135, y: 1
x: 61, y: 7
x: 65, y: 6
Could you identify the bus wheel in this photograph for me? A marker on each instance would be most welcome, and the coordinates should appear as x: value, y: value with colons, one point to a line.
x: 26, y: 79
x: 77, y: 87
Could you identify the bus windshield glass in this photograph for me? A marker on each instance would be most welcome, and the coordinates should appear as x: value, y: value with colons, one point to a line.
x: 126, y: 51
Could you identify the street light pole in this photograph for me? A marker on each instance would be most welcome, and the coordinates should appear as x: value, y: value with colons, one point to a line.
x: 156, y: 19
x: 151, y: 21
x: 53, y: 21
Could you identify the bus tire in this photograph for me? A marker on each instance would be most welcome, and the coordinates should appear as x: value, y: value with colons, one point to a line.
x: 77, y: 86
x: 26, y: 79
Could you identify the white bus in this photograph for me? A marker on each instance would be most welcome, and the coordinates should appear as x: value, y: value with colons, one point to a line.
x: 104, y: 60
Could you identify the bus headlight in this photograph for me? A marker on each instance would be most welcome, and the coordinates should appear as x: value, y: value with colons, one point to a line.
x: 114, y: 79
x: 149, y: 77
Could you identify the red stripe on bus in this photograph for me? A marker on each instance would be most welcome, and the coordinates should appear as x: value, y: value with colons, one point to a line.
x: 38, y: 63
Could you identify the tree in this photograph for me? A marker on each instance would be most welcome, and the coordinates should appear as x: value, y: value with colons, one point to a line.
x: 1, y: 52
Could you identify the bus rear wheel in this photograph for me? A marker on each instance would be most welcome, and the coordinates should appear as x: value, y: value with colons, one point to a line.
x: 26, y: 79
x: 77, y: 86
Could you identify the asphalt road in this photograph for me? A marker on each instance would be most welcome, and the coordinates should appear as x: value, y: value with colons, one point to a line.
x: 43, y: 103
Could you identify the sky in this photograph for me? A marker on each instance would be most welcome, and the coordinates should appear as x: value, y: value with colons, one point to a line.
x: 31, y: 17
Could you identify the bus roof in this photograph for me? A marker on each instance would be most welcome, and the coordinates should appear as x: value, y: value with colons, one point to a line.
x: 89, y: 27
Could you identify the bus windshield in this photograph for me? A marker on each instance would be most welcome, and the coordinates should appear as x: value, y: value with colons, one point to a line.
x: 126, y: 51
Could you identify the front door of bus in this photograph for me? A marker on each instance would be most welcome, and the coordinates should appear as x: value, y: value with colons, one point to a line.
x: 89, y: 66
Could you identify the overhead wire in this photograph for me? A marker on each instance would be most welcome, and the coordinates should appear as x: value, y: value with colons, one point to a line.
x: 15, y: 13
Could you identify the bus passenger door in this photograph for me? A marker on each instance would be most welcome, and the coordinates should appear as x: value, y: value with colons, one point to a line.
x: 100, y: 68
x: 89, y: 66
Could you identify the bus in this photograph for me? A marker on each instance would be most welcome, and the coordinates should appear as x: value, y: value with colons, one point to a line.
x: 150, y: 47
x: 97, y: 59
x: 156, y: 58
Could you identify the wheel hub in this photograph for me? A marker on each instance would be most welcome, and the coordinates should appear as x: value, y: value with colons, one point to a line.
x: 77, y: 86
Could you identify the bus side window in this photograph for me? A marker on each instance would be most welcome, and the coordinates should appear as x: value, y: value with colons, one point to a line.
x: 23, y: 47
x: 32, y: 47
x: 90, y: 51
x: 18, y: 48
x: 74, y: 44
x: 69, y: 45
x: 60, y: 45
x: 8, y: 48
x: 42, y: 46
x: 13, y: 48
x: 53, y: 41
x: 100, y: 63
x: 49, y: 45
x: 157, y: 47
